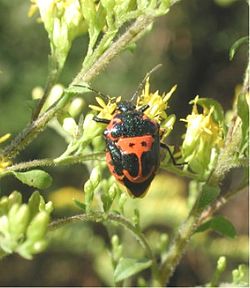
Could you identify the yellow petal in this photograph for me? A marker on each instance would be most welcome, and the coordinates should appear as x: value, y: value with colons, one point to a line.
x: 4, y: 137
x: 100, y: 102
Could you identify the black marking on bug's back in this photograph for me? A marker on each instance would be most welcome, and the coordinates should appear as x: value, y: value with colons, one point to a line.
x: 116, y: 157
x: 131, y: 164
x: 138, y: 189
x: 132, y: 124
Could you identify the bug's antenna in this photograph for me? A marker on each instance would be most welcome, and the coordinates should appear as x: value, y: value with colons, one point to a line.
x: 140, y: 87
x: 93, y: 90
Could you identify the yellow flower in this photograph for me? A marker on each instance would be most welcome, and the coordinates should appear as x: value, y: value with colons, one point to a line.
x: 157, y: 108
x: 106, y: 111
x: 4, y: 162
x: 157, y: 103
x: 203, y: 138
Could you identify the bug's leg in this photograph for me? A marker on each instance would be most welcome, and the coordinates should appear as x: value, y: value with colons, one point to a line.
x: 143, y: 108
x: 101, y: 120
x: 163, y: 145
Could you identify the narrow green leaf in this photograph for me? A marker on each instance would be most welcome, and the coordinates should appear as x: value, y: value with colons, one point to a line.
x: 80, y: 205
x: 223, y: 226
x: 235, y: 47
x: 35, y: 178
x: 208, y: 195
x: 78, y: 89
x: 220, y: 225
x: 128, y: 267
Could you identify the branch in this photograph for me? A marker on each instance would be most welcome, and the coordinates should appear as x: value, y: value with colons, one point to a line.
x: 69, y: 160
x: 102, y: 217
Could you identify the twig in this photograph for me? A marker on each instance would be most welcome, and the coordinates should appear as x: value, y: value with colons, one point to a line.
x: 102, y: 217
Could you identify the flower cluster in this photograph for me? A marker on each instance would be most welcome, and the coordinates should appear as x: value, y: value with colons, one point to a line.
x: 23, y: 226
x: 63, y: 20
x: 204, y: 136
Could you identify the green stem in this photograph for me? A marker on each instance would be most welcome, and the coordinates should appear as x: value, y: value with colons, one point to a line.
x: 102, y: 217
x: 69, y: 160
x: 136, y: 28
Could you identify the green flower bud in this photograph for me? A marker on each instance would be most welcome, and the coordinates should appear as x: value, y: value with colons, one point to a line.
x: 221, y: 263
x: 95, y: 176
x: 38, y: 226
x: 19, y: 222
x: 116, y: 248
x: 15, y: 197
x: 70, y: 126
x: 76, y: 107
x: 91, y: 127
x: 4, y: 225
x: 113, y: 190
x: 34, y: 203
x: 49, y: 207
x: 88, y: 194
x: 122, y: 200
x: 4, y: 205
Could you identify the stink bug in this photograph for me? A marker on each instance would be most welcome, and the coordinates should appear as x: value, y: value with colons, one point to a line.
x: 133, y: 147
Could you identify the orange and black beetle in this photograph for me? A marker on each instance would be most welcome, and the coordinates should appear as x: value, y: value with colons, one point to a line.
x: 132, y: 147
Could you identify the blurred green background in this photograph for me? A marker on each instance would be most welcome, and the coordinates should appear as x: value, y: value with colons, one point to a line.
x: 192, y: 42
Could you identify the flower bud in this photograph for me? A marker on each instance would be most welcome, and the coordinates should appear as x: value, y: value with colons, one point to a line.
x: 70, y: 126
x: 19, y: 222
x: 38, y: 226
x: 91, y: 127
x: 76, y: 106
x: 95, y: 176
x: 221, y: 263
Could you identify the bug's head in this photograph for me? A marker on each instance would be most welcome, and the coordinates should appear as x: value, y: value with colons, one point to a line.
x: 125, y: 106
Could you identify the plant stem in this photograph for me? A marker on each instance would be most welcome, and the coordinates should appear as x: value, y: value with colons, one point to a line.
x: 69, y: 160
x: 136, y: 28
x: 102, y: 217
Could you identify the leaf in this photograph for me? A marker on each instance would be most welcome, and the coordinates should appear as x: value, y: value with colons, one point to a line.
x: 35, y: 178
x: 208, y: 195
x: 80, y: 205
x: 235, y: 47
x: 220, y: 225
x: 128, y: 267
x: 78, y: 89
